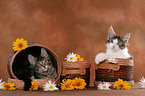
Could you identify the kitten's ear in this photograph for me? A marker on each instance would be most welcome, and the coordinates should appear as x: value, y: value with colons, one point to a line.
x: 126, y: 37
x: 44, y: 53
x: 111, y: 33
x: 32, y: 59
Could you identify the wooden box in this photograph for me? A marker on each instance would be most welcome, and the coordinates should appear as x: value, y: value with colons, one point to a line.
x: 81, y: 69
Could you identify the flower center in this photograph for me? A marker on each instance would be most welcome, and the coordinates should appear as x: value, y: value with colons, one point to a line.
x: 67, y: 85
x: 112, y: 60
x: 7, y: 87
x: 50, y: 87
x: 104, y: 87
x: 121, y: 85
x: 78, y: 84
x: 71, y: 58
x: 32, y: 86
x: 20, y: 45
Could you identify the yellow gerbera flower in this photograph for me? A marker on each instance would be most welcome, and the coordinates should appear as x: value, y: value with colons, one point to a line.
x: 120, y: 84
x: 20, y: 44
x: 8, y: 86
x: 79, y: 83
x: 34, y: 86
x: 79, y: 58
x: 67, y: 84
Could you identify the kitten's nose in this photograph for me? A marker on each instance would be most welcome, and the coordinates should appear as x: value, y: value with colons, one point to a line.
x: 113, y: 47
x: 43, y: 65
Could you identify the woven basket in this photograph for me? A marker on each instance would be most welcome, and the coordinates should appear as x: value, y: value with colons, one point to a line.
x: 33, y: 49
x: 106, y: 72
x: 20, y: 84
x: 71, y: 70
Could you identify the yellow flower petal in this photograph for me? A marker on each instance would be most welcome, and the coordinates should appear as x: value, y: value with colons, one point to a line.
x: 34, y: 86
x: 79, y: 58
x: 8, y: 86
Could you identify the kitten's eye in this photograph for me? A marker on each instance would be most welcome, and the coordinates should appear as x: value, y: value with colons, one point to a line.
x: 111, y: 41
x: 122, y: 46
x: 46, y: 62
x: 119, y: 43
x: 40, y: 63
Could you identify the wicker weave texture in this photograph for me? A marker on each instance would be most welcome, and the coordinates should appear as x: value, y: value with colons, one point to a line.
x: 110, y: 74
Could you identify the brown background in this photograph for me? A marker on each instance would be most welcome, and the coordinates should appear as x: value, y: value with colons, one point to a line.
x: 78, y: 26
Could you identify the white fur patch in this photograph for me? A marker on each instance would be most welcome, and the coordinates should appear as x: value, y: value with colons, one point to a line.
x: 113, y: 51
x: 100, y: 57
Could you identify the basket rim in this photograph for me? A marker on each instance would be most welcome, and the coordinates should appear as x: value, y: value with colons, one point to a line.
x: 121, y: 61
x: 32, y: 45
x: 78, y: 64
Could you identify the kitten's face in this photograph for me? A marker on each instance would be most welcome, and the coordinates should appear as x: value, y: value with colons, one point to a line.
x: 116, y: 43
x: 40, y: 64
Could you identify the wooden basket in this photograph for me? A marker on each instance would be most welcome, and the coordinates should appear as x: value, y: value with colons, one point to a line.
x: 106, y: 72
x: 70, y: 70
x: 34, y: 49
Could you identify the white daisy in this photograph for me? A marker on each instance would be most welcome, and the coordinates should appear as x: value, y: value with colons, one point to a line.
x: 112, y: 60
x: 1, y: 86
x: 104, y: 86
x: 142, y: 82
x: 49, y: 86
x: 71, y: 57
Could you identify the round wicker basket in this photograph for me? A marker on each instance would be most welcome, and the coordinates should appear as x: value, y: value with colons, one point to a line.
x: 20, y: 56
x: 107, y: 72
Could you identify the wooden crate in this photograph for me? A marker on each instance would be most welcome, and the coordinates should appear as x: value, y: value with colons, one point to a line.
x: 71, y: 70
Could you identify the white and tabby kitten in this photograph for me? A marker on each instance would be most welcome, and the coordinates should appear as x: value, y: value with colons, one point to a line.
x: 116, y: 47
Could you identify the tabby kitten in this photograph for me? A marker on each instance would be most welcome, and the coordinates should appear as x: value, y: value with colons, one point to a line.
x: 35, y: 68
x: 116, y: 47
x: 42, y: 66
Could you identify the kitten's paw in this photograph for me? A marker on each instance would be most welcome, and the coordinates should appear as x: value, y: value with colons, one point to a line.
x: 100, y: 57
x: 27, y: 85
x: 26, y: 89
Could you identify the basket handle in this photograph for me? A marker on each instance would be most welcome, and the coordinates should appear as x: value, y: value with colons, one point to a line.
x: 81, y: 71
x: 114, y: 67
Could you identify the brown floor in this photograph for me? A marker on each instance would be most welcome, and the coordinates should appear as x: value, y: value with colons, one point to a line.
x: 135, y: 91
